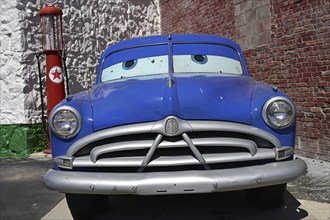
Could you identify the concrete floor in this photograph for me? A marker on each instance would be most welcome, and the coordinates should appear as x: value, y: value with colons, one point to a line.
x: 22, y: 194
x: 23, y: 197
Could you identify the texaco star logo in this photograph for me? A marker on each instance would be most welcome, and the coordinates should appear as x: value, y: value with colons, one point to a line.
x: 55, y: 74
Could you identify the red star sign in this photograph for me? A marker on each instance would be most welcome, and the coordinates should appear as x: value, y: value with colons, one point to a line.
x: 56, y: 74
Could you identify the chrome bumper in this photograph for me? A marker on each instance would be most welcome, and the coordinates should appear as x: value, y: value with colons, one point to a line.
x: 179, y: 182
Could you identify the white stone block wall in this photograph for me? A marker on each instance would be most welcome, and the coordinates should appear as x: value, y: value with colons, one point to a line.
x: 11, y: 69
x: 89, y: 27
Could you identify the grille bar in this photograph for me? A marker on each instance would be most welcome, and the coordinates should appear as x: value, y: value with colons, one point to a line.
x: 146, y: 144
x: 193, y: 148
x: 152, y: 150
x: 109, y: 133
x: 227, y: 142
x: 119, y: 146
x: 156, y: 128
x: 179, y: 143
x: 208, y: 126
x: 132, y: 145
x: 262, y: 154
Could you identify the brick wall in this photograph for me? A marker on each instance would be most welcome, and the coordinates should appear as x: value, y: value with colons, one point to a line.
x: 197, y: 16
x: 285, y: 43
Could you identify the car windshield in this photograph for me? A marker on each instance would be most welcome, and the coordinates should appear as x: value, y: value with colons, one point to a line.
x: 206, y: 58
x: 133, y: 62
x: 187, y: 58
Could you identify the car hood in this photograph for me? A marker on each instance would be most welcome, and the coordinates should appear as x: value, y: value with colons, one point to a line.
x: 192, y: 97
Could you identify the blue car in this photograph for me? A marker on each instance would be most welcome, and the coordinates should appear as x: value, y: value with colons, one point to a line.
x: 173, y: 114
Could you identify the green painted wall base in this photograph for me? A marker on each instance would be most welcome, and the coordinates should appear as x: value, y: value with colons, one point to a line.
x: 20, y: 140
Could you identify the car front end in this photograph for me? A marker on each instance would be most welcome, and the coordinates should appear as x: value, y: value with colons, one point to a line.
x: 166, y: 118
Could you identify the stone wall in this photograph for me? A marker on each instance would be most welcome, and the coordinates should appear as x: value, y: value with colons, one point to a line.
x: 286, y: 43
x: 252, y: 21
x: 89, y: 27
x: 11, y: 70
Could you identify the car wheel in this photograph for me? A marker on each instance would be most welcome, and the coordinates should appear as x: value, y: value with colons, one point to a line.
x: 86, y: 206
x: 269, y: 197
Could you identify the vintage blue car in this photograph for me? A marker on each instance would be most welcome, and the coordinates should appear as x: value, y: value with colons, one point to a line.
x: 173, y: 115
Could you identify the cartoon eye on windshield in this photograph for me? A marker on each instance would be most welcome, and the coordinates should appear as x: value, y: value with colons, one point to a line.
x: 129, y: 64
x: 199, y: 58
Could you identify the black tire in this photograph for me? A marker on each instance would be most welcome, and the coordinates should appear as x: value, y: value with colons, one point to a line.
x: 86, y: 206
x: 269, y: 197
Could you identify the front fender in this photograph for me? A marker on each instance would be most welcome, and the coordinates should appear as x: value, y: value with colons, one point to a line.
x: 81, y: 102
x: 261, y: 94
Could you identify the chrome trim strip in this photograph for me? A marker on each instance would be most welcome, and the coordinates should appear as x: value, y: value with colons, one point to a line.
x: 234, y: 127
x: 169, y: 144
x: 262, y: 154
x: 108, y: 133
x: 181, y: 182
x: 146, y: 144
x: 119, y: 146
x: 136, y: 161
x: 132, y: 145
x: 158, y: 127
x: 193, y: 148
x: 152, y: 150
x: 228, y: 142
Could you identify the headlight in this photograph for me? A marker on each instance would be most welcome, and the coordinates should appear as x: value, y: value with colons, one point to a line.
x: 65, y: 122
x: 278, y: 112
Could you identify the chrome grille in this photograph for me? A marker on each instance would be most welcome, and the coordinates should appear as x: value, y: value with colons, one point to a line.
x: 187, y: 143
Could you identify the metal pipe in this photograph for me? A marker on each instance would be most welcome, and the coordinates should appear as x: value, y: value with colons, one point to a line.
x: 65, y: 72
x: 38, y: 54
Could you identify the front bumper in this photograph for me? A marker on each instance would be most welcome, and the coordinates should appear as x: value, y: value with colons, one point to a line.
x: 179, y: 182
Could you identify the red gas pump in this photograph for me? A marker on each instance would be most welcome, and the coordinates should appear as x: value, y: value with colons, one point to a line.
x: 52, y: 45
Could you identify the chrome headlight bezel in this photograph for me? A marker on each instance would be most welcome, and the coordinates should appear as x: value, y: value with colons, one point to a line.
x: 272, y: 101
x: 74, y: 112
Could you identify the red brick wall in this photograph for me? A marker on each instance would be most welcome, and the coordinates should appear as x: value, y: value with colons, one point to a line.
x: 197, y: 16
x: 296, y: 58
